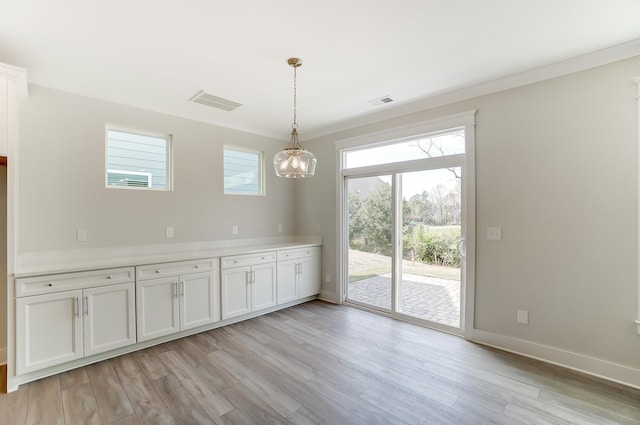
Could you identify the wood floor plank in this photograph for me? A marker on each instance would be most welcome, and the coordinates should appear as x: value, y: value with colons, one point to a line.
x: 286, y: 365
x: 253, y: 407
x: 218, y: 376
x: 129, y: 420
x: 80, y: 407
x: 150, y: 364
x: 13, y: 406
x: 204, y: 343
x: 110, y: 396
x: 203, y: 391
x: 45, y: 402
x: 255, y: 382
x: 183, y: 407
x: 305, y: 416
x: 146, y: 402
x: 73, y: 377
x: 234, y: 417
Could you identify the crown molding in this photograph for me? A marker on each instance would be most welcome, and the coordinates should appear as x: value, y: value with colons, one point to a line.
x: 579, y: 63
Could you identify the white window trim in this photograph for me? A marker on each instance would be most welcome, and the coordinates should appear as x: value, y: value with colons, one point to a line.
x: 168, y: 137
x: 261, y: 171
x: 637, y: 81
x: 465, y: 120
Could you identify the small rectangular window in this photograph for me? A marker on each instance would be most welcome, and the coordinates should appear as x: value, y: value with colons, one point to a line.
x: 243, y: 172
x: 138, y: 159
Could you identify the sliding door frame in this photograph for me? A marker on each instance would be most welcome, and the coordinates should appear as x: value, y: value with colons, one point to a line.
x: 466, y: 121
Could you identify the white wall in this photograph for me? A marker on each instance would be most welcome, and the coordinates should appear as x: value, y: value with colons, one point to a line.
x: 557, y: 170
x: 61, y: 180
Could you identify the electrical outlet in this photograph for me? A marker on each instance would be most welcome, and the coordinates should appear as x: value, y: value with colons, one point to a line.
x: 494, y: 233
x: 280, y: 227
x: 81, y: 235
x: 523, y: 317
x: 168, y: 232
x: 234, y: 229
x: 328, y: 277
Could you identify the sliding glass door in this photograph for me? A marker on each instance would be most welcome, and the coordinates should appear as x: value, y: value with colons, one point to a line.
x: 429, y: 285
x: 370, y: 241
x: 404, y: 228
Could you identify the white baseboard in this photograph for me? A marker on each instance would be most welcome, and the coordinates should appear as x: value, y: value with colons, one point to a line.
x: 590, y: 365
x: 328, y: 296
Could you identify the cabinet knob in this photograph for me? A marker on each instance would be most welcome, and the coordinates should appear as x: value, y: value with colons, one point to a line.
x: 50, y: 284
x: 235, y: 261
x: 197, y: 266
x: 157, y: 271
x: 109, y: 277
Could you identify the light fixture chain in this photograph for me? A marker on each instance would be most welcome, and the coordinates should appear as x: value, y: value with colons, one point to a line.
x: 295, y: 103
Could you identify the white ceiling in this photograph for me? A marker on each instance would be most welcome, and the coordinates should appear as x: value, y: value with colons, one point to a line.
x: 156, y: 54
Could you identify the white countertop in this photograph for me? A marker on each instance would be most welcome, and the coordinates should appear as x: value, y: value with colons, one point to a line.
x: 64, y: 261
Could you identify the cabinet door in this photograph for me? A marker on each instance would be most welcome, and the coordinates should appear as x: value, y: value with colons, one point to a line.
x: 309, y: 276
x: 199, y: 300
x: 287, y: 281
x: 236, y: 292
x: 157, y: 307
x: 264, y: 286
x: 48, y: 330
x: 109, y: 317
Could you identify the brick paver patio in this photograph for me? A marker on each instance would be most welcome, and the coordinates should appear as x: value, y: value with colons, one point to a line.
x: 429, y: 298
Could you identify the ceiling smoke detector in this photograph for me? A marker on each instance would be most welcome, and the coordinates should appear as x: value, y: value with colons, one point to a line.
x: 207, y: 99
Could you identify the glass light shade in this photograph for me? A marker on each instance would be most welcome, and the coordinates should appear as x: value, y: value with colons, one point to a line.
x: 294, y: 163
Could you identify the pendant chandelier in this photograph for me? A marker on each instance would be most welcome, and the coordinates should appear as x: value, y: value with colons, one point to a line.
x: 294, y: 161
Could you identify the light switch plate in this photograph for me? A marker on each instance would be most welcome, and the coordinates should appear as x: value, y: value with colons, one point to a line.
x: 523, y: 317
x: 494, y: 233
x: 81, y: 235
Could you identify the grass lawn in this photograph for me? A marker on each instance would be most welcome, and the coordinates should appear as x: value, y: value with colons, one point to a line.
x: 363, y: 265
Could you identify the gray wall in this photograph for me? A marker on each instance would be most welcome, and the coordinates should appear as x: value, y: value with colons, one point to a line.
x: 62, y: 189
x: 557, y: 170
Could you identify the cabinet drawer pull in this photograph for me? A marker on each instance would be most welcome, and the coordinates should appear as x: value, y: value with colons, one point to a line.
x: 50, y: 284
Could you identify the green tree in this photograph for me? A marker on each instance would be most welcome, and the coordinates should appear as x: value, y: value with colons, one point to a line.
x: 356, y: 220
x: 377, y: 220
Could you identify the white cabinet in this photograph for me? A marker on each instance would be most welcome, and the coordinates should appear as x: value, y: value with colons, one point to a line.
x: 172, y: 297
x: 248, y: 283
x: 298, y: 274
x: 64, y: 317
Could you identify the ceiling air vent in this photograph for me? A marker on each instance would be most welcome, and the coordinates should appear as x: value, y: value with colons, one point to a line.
x: 214, y: 101
x: 380, y: 101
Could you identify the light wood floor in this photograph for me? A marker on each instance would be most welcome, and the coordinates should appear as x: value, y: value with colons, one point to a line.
x: 319, y: 363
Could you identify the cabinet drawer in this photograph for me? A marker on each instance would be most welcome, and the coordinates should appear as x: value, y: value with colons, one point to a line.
x: 152, y: 271
x: 248, y: 260
x: 70, y: 281
x: 292, y: 254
